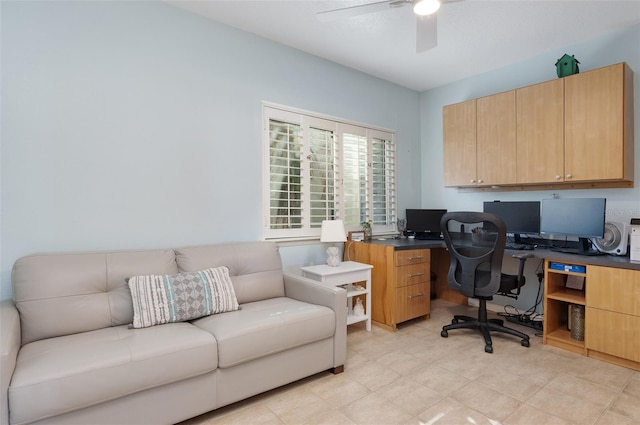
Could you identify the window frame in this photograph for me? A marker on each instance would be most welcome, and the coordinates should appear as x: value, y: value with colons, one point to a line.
x: 339, y: 127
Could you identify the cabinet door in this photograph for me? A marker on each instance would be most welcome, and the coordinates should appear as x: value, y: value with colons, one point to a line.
x: 496, y: 139
x: 594, y: 125
x: 614, y: 289
x: 540, y: 133
x: 459, y: 143
x: 612, y: 333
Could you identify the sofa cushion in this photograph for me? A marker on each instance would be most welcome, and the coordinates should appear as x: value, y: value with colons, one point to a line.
x: 185, y: 296
x: 255, y: 267
x: 81, y: 291
x: 63, y: 374
x: 266, y: 327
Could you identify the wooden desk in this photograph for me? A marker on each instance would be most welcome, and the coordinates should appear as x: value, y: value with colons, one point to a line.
x: 400, y: 280
x: 611, y: 295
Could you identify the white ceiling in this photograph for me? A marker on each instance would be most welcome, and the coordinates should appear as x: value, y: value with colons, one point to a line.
x: 474, y: 36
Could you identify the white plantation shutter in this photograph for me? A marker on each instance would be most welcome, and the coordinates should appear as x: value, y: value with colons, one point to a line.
x: 318, y: 168
x: 323, y: 176
x: 285, y: 192
x: 383, y: 163
x: 355, y: 170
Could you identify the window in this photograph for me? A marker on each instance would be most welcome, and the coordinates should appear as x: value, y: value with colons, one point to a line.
x: 318, y: 168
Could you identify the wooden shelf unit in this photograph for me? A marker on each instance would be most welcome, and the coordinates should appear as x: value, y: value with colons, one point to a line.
x: 611, y: 297
x: 556, y: 308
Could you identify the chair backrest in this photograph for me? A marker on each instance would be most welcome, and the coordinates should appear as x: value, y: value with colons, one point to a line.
x: 476, y: 262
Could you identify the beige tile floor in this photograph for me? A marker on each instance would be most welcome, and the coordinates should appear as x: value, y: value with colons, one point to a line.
x: 414, y: 376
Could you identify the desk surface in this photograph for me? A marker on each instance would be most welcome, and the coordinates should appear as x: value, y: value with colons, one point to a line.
x: 622, y: 262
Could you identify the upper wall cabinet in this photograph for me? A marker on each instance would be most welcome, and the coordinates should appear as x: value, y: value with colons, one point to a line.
x: 540, y: 139
x: 459, y: 149
x: 575, y: 132
x: 598, y: 128
x: 481, y: 135
x: 496, y: 139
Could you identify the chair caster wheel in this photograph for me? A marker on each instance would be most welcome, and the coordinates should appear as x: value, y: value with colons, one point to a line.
x: 444, y: 334
x: 488, y: 349
x: 524, y: 342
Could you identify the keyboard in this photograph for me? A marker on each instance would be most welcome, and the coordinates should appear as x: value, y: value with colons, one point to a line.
x: 429, y: 236
x: 518, y: 246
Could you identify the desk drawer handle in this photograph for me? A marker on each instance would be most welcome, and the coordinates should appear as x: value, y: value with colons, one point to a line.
x: 419, y: 257
x: 416, y: 274
x: 419, y: 294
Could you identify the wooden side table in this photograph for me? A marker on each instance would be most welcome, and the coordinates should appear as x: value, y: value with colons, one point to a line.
x: 345, y: 275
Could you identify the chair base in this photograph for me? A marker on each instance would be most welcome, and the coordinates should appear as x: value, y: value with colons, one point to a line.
x: 485, y: 326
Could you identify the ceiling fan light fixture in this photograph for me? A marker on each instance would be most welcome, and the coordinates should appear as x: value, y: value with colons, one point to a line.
x: 426, y: 7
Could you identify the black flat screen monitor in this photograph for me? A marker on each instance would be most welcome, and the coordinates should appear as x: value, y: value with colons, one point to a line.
x: 520, y: 217
x: 579, y: 217
x: 424, y: 223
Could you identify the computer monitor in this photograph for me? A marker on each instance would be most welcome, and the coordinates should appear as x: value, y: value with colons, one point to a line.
x: 424, y: 223
x: 520, y: 217
x: 579, y: 217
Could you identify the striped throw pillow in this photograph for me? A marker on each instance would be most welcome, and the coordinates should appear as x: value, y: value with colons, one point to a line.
x: 184, y: 296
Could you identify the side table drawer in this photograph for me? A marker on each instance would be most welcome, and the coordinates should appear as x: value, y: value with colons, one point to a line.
x: 412, y: 256
x: 414, y: 273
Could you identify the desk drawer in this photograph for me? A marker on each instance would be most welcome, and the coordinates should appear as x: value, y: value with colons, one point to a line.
x: 414, y: 273
x: 413, y: 256
x: 412, y: 301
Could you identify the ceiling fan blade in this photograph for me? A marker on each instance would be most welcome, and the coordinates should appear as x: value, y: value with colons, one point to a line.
x: 426, y: 33
x: 349, y: 12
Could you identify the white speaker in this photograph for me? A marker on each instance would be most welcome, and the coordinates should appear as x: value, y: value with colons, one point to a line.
x: 615, y: 240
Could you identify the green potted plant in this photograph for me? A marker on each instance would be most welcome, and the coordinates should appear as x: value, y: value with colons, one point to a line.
x: 366, y: 228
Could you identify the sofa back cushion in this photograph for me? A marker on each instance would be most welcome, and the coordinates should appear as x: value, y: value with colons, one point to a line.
x: 255, y: 267
x: 62, y: 294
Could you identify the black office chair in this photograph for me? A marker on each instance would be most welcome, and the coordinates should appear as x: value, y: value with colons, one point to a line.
x: 475, y: 271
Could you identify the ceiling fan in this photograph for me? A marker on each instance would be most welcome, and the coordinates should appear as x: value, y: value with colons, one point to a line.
x: 426, y: 19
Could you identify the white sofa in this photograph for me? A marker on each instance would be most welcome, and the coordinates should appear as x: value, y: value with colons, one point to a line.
x: 69, y: 354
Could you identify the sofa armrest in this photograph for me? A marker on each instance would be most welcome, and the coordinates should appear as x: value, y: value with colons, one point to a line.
x: 304, y: 289
x: 9, y: 346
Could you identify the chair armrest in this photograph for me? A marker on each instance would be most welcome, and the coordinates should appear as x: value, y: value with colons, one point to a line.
x: 9, y: 346
x: 523, y: 255
x: 304, y: 289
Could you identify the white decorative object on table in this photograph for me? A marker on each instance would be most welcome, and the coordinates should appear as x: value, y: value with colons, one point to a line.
x: 333, y: 231
x: 345, y: 275
x: 358, y: 310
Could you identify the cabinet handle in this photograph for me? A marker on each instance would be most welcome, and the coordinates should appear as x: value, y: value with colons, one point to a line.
x: 557, y: 177
x: 479, y: 180
x: 569, y: 176
x: 419, y: 294
x: 416, y: 274
x: 472, y: 181
x: 419, y: 257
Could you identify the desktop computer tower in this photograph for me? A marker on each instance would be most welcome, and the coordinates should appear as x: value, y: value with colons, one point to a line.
x: 634, y: 244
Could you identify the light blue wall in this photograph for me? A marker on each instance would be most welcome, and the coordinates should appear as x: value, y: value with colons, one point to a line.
x: 622, y: 204
x: 130, y: 125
